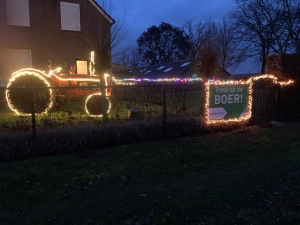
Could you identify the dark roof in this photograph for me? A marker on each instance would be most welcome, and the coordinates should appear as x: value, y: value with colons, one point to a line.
x: 245, y: 75
x: 180, y: 69
x: 104, y: 13
x: 172, y: 69
x: 120, y: 71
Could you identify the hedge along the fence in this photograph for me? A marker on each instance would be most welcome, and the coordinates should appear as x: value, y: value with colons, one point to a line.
x: 73, y: 138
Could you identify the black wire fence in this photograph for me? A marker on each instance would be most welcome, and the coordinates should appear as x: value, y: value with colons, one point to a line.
x: 275, y: 102
x: 34, y: 108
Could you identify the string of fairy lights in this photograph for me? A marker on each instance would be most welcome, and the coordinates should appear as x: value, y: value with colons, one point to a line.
x: 86, y: 103
x: 249, y: 82
x: 42, y: 76
x: 228, y: 82
x: 134, y: 81
x: 32, y: 73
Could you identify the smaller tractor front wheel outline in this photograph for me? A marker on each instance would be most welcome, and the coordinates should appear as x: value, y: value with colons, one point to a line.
x: 93, y: 105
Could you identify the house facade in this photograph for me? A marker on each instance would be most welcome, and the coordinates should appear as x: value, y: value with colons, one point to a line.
x: 49, y: 33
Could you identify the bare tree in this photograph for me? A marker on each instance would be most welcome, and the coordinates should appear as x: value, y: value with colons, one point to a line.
x: 232, y: 50
x: 202, y: 38
x: 272, y: 13
x: 134, y: 59
x: 130, y: 58
x: 196, y: 33
x: 104, y: 36
x: 290, y: 17
x: 220, y: 38
x: 122, y: 59
x: 208, y: 59
x: 119, y: 31
x: 208, y: 54
x: 255, y: 28
x: 269, y: 26
x: 214, y: 44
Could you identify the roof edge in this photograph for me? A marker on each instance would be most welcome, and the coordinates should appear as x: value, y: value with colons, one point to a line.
x: 102, y: 11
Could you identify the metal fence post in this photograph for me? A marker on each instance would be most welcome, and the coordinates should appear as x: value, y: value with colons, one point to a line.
x: 183, y: 100
x: 164, y: 111
x: 278, y: 90
x: 254, y: 102
x: 33, y: 123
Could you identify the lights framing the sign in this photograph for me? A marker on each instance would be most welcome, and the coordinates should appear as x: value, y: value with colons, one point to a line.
x: 249, y: 82
x: 221, y: 83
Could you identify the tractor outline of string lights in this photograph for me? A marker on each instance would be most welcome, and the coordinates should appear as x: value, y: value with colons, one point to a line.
x: 28, y: 84
x: 40, y: 81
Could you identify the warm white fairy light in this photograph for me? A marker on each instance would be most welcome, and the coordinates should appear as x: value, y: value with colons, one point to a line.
x: 250, y: 81
x: 87, y: 111
x: 287, y: 83
x: 92, y: 63
x: 52, y: 72
x: 71, y: 78
x: 28, y: 72
x: 228, y: 82
x: 275, y: 79
x: 44, y: 78
x: 109, y: 103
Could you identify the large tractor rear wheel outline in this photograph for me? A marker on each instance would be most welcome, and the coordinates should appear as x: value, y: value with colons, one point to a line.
x: 93, y: 105
x: 20, y: 100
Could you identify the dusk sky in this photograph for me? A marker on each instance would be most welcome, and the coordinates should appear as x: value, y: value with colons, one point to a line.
x: 141, y: 14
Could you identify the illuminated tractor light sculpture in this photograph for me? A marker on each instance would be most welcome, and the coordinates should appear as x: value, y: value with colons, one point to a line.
x: 45, y: 95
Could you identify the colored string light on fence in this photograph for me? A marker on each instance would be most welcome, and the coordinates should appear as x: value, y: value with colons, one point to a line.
x: 132, y: 81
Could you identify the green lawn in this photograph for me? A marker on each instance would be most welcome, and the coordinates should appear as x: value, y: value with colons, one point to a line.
x: 74, y: 110
x: 249, y: 176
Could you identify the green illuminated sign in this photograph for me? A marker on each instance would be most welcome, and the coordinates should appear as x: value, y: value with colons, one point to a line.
x: 228, y: 101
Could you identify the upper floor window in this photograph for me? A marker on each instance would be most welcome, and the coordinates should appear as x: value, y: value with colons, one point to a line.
x: 70, y: 16
x: 17, y: 12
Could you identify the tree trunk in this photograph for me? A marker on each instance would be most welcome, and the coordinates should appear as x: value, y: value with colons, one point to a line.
x: 103, y: 98
x: 297, y: 47
x: 102, y: 64
x: 263, y: 64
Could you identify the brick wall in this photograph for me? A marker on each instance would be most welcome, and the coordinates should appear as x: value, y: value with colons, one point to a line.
x: 45, y: 38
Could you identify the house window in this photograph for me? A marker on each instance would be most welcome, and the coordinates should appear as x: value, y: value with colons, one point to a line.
x: 15, y: 59
x: 70, y: 16
x: 17, y: 12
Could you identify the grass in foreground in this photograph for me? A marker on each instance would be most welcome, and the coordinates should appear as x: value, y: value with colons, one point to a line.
x: 250, y: 176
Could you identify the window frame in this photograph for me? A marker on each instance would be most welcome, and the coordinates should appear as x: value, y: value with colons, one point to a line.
x: 67, y: 23
x: 21, y: 7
